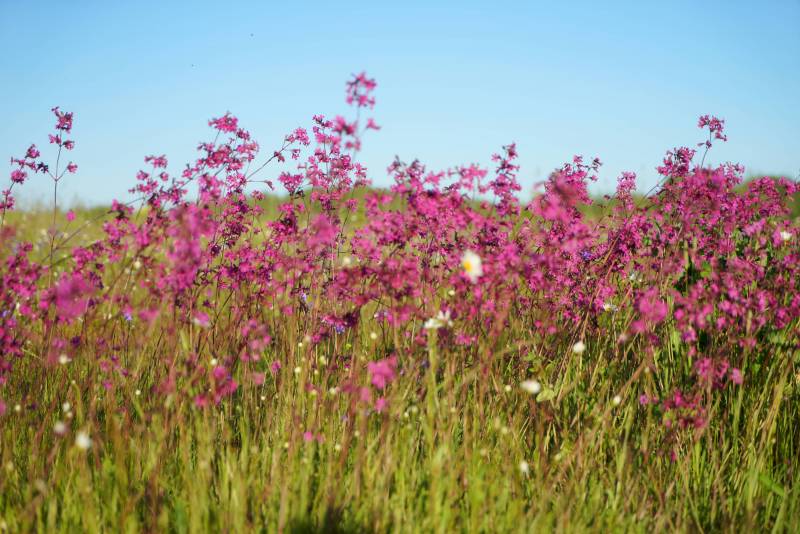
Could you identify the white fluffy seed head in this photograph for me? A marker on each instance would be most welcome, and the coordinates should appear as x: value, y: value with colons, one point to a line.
x: 83, y: 441
x: 524, y: 468
x: 531, y: 386
x: 579, y: 347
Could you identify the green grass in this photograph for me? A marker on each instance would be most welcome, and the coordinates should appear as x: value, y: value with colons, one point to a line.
x: 444, y: 457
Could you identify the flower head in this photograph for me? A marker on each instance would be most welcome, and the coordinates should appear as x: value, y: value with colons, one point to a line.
x: 473, y: 266
x: 382, y: 372
x: 524, y: 468
x: 442, y: 319
x: 83, y: 441
x: 531, y: 386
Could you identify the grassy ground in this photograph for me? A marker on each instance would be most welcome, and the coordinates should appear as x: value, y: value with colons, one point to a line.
x: 461, y: 446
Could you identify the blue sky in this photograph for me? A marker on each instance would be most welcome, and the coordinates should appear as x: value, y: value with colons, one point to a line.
x: 621, y: 80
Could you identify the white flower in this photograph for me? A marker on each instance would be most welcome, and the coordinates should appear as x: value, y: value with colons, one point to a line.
x: 373, y: 336
x: 347, y: 261
x: 579, y: 347
x: 473, y: 266
x: 137, y: 265
x: 64, y: 359
x: 531, y: 386
x: 608, y: 306
x: 66, y: 407
x: 441, y: 319
x: 507, y: 388
x: 138, y: 392
x: 83, y: 441
x: 786, y: 236
x: 60, y: 428
x: 524, y: 468
x: 297, y: 370
x: 617, y: 400
x: 214, y: 362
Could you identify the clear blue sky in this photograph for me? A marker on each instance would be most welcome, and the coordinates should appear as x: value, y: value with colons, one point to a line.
x: 621, y: 80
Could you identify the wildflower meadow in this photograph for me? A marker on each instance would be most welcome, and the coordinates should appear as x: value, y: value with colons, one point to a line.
x: 262, y: 341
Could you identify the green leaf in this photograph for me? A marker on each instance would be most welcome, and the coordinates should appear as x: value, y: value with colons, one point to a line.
x: 771, y: 485
x: 547, y: 394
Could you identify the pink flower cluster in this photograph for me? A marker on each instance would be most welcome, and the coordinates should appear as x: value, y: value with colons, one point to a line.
x: 707, y: 256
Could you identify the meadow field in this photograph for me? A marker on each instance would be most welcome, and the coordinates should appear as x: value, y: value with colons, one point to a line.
x: 261, y: 341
